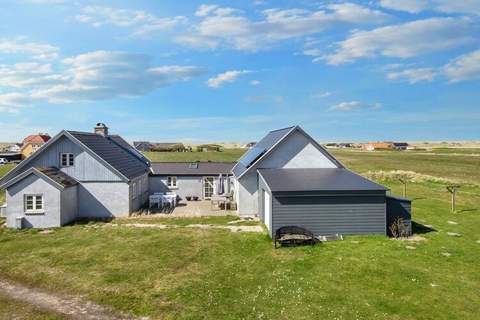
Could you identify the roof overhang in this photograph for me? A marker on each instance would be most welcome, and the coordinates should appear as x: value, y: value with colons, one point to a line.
x: 29, y: 172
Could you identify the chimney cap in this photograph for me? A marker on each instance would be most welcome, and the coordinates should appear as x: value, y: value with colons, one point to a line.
x: 101, y: 129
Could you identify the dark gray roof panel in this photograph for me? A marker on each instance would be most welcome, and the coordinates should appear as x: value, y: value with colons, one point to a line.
x: 338, y: 179
x: 118, y: 157
x: 271, y: 139
x: 58, y: 176
x: 124, y: 144
x: 184, y: 168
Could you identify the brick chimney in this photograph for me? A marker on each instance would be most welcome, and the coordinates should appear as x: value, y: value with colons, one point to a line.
x: 101, y: 129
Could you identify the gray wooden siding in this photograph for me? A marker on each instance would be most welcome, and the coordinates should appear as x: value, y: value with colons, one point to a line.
x: 51, y: 201
x: 330, y: 214
x: 86, y: 167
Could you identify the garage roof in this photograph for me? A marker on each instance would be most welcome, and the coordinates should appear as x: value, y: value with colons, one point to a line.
x: 194, y: 168
x: 318, y: 179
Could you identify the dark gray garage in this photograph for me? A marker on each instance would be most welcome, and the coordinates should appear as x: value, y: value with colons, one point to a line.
x: 324, y: 201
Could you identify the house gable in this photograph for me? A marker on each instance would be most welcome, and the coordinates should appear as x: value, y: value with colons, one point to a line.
x: 87, y: 165
x: 291, y: 148
x: 297, y: 151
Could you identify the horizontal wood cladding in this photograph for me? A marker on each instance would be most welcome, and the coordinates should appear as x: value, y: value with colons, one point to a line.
x: 328, y: 213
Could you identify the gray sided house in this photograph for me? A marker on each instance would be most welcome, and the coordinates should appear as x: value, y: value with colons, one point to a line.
x: 289, y: 179
x: 105, y: 178
x: 198, y: 179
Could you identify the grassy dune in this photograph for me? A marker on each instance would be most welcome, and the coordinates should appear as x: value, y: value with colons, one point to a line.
x: 227, y: 155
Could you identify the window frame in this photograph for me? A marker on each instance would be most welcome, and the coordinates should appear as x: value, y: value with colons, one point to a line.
x: 35, y: 209
x: 70, y: 159
x: 170, y: 184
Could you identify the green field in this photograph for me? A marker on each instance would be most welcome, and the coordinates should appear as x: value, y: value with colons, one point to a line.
x: 461, y: 168
x: 3, y: 170
x: 184, y: 273
x: 227, y: 155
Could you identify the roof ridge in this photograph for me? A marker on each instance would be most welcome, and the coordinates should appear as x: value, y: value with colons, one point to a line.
x: 291, y: 127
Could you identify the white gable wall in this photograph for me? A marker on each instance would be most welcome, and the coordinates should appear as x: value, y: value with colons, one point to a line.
x: 296, y: 151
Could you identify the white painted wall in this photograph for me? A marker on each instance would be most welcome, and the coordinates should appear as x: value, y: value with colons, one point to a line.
x: 296, y: 151
x: 103, y: 199
x: 51, y: 202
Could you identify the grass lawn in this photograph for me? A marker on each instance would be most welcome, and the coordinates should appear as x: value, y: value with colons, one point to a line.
x: 3, y: 171
x: 227, y: 155
x: 184, y: 273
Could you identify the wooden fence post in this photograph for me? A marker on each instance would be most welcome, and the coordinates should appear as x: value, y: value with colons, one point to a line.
x: 453, y: 190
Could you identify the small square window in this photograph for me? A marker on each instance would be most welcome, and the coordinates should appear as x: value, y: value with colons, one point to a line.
x: 172, y: 182
x: 33, y: 204
x: 67, y: 159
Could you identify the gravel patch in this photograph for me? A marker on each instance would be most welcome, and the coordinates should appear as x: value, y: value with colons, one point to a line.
x: 73, y: 307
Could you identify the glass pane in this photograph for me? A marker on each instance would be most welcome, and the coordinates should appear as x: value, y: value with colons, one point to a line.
x: 39, y: 202
x: 71, y: 160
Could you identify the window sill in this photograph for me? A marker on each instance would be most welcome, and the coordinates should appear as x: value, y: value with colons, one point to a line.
x: 34, y: 213
x: 173, y: 188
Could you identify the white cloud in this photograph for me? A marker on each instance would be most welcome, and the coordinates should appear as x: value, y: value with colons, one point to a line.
x: 229, y: 76
x: 469, y: 7
x: 411, y: 6
x: 322, y: 94
x: 413, y: 75
x: 346, y: 106
x: 464, y: 67
x: 232, y: 28
x: 38, y: 51
x: 26, y: 75
x: 312, y: 52
x: 100, y: 75
x: 255, y: 82
x: 265, y: 98
x: 205, y: 9
x: 143, y: 23
x: 404, y: 40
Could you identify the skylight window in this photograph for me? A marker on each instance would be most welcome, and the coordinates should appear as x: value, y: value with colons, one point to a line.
x: 193, y: 165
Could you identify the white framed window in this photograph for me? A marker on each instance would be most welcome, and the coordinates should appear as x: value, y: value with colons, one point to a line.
x: 66, y: 159
x: 33, y: 203
x: 172, y: 182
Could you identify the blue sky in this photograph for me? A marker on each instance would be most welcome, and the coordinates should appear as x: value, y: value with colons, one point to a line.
x: 231, y: 70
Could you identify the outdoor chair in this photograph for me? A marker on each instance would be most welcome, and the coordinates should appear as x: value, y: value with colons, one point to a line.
x: 293, y: 236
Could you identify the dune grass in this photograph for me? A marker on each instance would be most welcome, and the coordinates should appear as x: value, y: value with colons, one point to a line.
x: 464, y: 169
x: 227, y: 155
x: 3, y: 171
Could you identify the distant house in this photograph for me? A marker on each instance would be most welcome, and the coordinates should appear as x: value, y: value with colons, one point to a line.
x: 385, y: 145
x: 209, y: 148
x: 249, y: 145
x: 32, y: 143
x: 400, y: 145
x: 15, y: 147
x: 169, y: 147
x: 143, y: 146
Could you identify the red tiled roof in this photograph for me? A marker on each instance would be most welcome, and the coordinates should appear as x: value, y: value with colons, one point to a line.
x: 36, y: 138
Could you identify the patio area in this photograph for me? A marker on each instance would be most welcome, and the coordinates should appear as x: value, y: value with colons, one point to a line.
x: 199, y: 208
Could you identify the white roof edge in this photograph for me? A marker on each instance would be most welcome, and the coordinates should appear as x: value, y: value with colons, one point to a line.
x: 267, y: 152
x: 25, y: 174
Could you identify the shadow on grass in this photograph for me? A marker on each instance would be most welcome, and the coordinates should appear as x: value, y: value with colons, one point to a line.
x: 467, y: 210
x: 418, y: 228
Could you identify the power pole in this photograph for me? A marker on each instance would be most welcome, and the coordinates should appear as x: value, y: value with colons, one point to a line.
x: 404, y: 182
x: 453, y: 190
